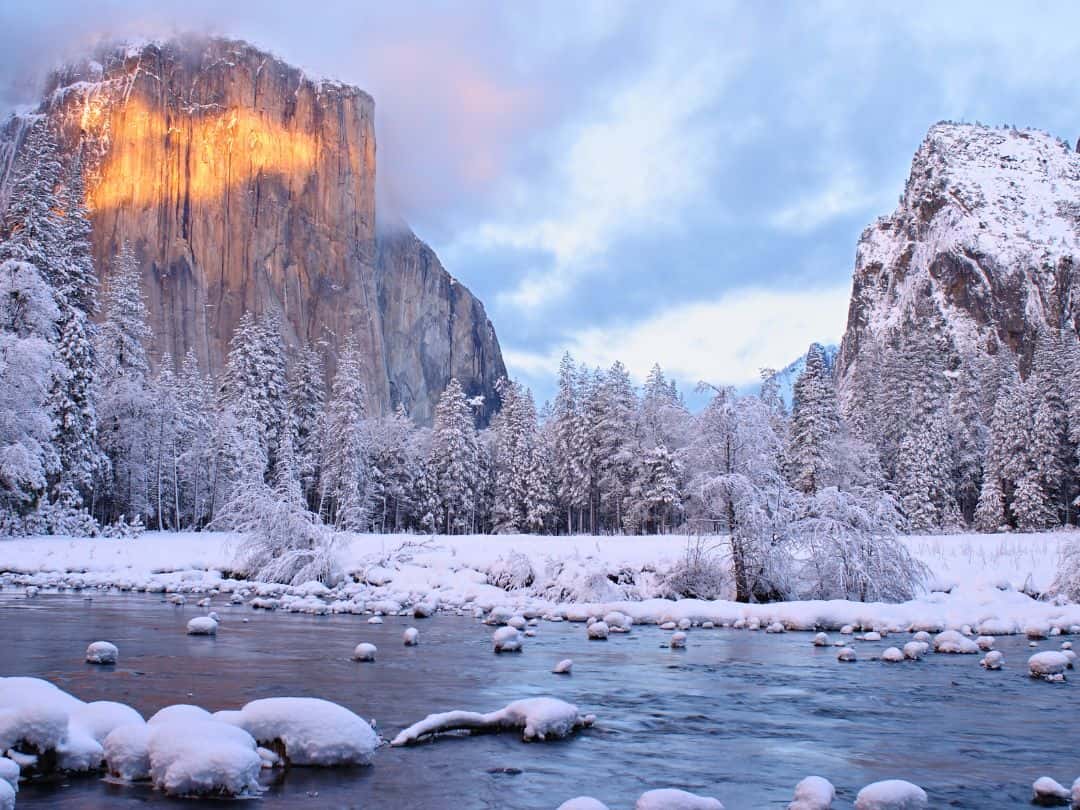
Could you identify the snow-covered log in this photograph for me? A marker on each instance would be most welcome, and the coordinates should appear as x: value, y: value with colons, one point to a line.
x: 539, y: 718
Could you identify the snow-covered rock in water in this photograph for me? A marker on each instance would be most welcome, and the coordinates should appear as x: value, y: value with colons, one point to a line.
x: 36, y: 718
x: 598, y: 631
x: 9, y: 772
x: 7, y: 796
x: 411, y: 637
x: 847, y: 630
x: 1036, y: 631
x: 1066, y: 645
x: 202, y: 626
x: 922, y: 635
x: 99, y: 718
x: 308, y: 731
x: 583, y: 803
x: 191, y: 756
x: 873, y: 635
x: 846, y: 654
x: 668, y: 626
x: 364, y: 652
x: 518, y: 622
x: 1076, y: 789
x: 686, y: 624
x: 776, y: 627
x: 423, y: 610
x: 891, y: 794
x: 674, y: 799
x: 564, y: 666
x: 893, y: 655
x: 507, y: 639
x: 985, y: 643
x: 915, y: 650
x: 101, y: 652
x: 127, y: 752
x: 1047, y: 792
x: 951, y: 641
x: 1071, y: 656
x: 992, y: 660
x: 813, y: 793
x: 539, y: 718
x: 677, y: 641
x: 179, y: 712
x: 375, y: 620
x: 618, y: 622
x: 1048, y: 665
x: 821, y: 640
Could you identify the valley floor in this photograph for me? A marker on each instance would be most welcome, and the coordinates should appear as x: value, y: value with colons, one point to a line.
x: 982, y: 581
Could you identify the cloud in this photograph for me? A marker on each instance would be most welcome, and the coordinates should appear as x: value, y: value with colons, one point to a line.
x: 726, y: 341
x: 842, y: 192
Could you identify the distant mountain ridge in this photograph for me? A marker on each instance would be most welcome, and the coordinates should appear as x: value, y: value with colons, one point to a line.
x: 786, y: 377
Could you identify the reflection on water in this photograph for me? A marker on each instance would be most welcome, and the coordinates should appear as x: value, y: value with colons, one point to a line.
x: 739, y: 715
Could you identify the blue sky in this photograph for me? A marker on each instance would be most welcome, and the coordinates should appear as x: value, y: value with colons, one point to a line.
x: 640, y: 181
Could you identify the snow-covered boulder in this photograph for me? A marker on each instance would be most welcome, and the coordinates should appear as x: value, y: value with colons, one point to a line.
x: 821, y: 640
x: 776, y: 627
x: 101, y: 652
x: 598, y: 631
x: 99, y: 718
x: 507, y: 639
x: 618, y: 622
x: 846, y: 654
x: 7, y: 796
x: 364, y: 652
x: 915, y: 650
x: 411, y: 637
x: 873, y: 635
x: 38, y: 718
x: 674, y: 799
x: 375, y: 620
x: 1047, y: 792
x: 202, y: 626
x: 892, y: 655
x: 424, y: 610
x: 9, y: 772
x: 847, y: 630
x: 993, y: 660
x: 308, y: 731
x: 518, y: 622
x: 1076, y: 788
x: 951, y: 641
x: 891, y: 794
x: 813, y: 793
x: 922, y: 636
x: 678, y: 641
x: 1037, y: 630
x: 985, y: 643
x: 1049, y: 665
x: 583, y: 803
x: 178, y: 712
x: 127, y: 752
x: 539, y: 718
x: 564, y: 666
x: 191, y: 756
x: 686, y: 624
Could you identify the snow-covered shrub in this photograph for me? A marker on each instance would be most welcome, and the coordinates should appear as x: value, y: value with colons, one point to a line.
x: 1067, y: 580
x: 123, y: 529
x: 511, y: 573
x: 701, y: 573
x: 580, y: 581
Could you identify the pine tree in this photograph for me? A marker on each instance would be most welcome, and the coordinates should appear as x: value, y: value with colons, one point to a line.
x: 1049, y: 445
x: 618, y: 445
x: 344, y: 452
x: 569, y: 469
x: 452, y: 463
x: 307, y: 395
x: 32, y: 229
x: 815, y: 424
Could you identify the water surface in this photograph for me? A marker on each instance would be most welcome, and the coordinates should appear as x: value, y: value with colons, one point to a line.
x: 738, y: 715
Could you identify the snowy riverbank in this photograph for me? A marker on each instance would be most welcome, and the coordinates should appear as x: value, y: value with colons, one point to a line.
x: 978, y: 580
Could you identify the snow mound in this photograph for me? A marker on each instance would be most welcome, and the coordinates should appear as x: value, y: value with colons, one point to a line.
x: 618, y: 622
x: 202, y: 626
x: 598, y: 631
x: 127, y: 752
x: 364, y: 652
x: 202, y: 757
x: 411, y: 637
x: 893, y: 655
x: 873, y: 635
x: 583, y: 803
x: 375, y: 620
x: 99, y: 718
x: 507, y: 639
x: 952, y: 641
x: 992, y: 660
x: 678, y: 640
x: 101, y: 652
x: 1048, y: 665
x: 564, y: 666
x: 308, y: 731
x: 915, y: 650
x: 985, y: 643
x: 813, y: 793
x: 846, y: 654
x: 891, y: 794
x: 7, y: 796
x: 9, y: 772
x: 539, y: 718
x: 179, y: 711
x: 821, y: 640
x: 1047, y: 792
x: 674, y: 799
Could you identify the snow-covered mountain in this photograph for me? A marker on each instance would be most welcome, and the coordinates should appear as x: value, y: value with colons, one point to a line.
x: 785, y: 378
x: 985, y: 244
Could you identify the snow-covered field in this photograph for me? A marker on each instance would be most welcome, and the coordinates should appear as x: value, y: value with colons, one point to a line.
x: 983, y: 581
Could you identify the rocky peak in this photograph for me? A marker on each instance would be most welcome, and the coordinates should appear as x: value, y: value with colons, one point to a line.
x: 244, y: 184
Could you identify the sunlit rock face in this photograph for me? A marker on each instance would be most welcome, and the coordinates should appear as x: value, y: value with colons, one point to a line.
x: 243, y: 184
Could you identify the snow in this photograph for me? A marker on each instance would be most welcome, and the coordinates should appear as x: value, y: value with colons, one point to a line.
x: 7, y: 796
x: 846, y: 654
x: 821, y: 640
x: 127, y: 752
x: 1048, y: 664
x: 564, y: 666
x: 915, y: 650
x: 813, y: 793
x: 193, y: 756
x: 678, y: 640
x: 893, y: 655
x: 891, y: 794
x: 993, y: 660
x: 1047, y: 792
x: 952, y: 641
x: 202, y: 626
x: 364, y: 652
x: 507, y: 639
x: 411, y: 637
x: 674, y: 799
x: 598, y: 631
x: 9, y: 772
x: 539, y: 718
x: 101, y: 652
x: 101, y: 717
x: 582, y: 803
x: 312, y: 731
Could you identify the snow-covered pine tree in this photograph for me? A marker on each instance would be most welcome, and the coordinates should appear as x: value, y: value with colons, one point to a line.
x: 815, y: 424
x: 565, y: 418
x: 391, y: 471
x: 968, y: 437
x: 32, y: 229
x: 307, y: 397
x: 196, y: 403
x: 513, y: 429
x: 343, y: 461
x: 452, y: 463
x: 1050, y: 448
x: 618, y: 445
x: 122, y: 392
